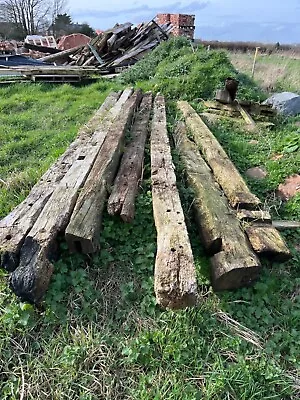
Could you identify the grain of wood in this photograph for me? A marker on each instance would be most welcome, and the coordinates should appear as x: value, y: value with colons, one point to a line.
x: 174, y: 277
x: 122, y: 198
x: 267, y: 241
x: 15, y: 226
x: 223, y: 168
x: 82, y: 233
x: 234, y: 263
x: 31, y: 278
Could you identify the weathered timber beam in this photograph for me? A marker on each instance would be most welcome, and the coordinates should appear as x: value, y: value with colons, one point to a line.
x: 174, y: 277
x: 281, y: 225
x: 266, y: 241
x: 82, y: 233
x: 15, y: 226
x: 223, y: 168
x: 254, y: 215
x: 247, y: 117
x: 234, y: 264
x: 61, y: 54
x: 122, y: 198
x: 31, y: 278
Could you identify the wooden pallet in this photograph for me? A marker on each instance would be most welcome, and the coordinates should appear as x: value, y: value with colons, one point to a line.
x: 56, y: 78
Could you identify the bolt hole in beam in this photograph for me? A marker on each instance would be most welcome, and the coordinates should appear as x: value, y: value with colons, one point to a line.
x: 81, y: 158
x: 8, y: 237
x: 173, y: 250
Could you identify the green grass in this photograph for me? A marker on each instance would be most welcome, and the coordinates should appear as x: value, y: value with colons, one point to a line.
x: 37, y: 122
x: 274, y: 73
x: 99, y: 333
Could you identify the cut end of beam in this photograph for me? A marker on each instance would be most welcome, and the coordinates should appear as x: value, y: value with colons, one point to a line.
x: 81, y: 245
x: 267, y: 242
x: 229, y: 274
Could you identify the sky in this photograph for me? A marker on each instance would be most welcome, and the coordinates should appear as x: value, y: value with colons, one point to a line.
x: 227, y: 20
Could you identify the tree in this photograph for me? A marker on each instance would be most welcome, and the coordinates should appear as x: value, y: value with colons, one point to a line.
x: 86, y: 29
x: 30, y: 16
x: 61, y: 23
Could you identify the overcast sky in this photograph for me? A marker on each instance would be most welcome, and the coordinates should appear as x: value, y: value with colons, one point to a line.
x: 256, y: 20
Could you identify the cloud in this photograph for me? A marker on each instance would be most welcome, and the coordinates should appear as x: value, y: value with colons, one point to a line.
x: 142, y: 10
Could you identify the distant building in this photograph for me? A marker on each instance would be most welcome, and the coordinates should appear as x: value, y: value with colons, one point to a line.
x: 183, y: 24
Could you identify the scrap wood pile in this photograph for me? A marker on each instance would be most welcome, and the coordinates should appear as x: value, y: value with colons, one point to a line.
x: 72, y: 194
x: 120, y: 46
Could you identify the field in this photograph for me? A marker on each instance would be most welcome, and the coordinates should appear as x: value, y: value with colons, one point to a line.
x: 275, y: 72
x: 99, y: 333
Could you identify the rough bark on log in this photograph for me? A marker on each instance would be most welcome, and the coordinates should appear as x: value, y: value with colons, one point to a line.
x: 15, y: 226
x: 122, y: 198
x: 82, y: 233
x: 266, y: 240
x: 224, y: 170
x: 218, y: 225
x: 175, y: 277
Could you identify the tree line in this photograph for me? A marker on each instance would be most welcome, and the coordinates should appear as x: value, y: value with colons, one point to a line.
x: 19, y: 18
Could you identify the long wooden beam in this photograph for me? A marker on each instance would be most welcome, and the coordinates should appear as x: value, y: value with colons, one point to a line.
x: 234, y: 263
x: 31, y: 278
x: 223, y: 168
x: 15, y: 226
x: 122, y: 198
x: 175, y: 282
x: 83, y: 230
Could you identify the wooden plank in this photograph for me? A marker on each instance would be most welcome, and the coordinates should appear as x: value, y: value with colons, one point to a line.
x: 236, y: 265
x: 282, y: 225
x: 122, y: 198
x: 254, y: 215
x: 266, y: 240
x: 14, y: 227
x: 61, y: 54
x: 175, y: 282
x: 223, y: 168
x: 165, y: 35
x: 247, y: 117
x: 96, y: 55
x: 82, y: 233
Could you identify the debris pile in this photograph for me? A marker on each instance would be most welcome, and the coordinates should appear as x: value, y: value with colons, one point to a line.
x: 120, y: 46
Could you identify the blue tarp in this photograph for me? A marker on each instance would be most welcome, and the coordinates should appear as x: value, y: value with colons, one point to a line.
x: 16, y: 61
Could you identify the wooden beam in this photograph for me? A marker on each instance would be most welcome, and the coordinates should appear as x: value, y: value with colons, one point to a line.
x: 175, y: 282
x: 14, y: 227
x: 282, y: 225
x: 223, y: 168
x: 247, y: 117
x: 266, y: 240
x: 82, y: 232
x: 61, y: 54
x: 122, y: 198
x: 234, y: 264
x: 31, y: 278
x: 254, y: 215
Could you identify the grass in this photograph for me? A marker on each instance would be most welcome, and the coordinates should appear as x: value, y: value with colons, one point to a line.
x: 99, y: 333
x: 272, y: 72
